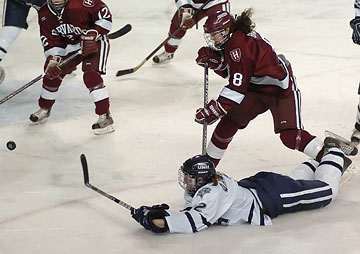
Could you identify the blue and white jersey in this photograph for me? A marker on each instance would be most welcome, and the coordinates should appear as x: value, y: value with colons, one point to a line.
x: 15, y: 13
x: 357, y: 7
x: 198, y: 3
x: 227, y: 203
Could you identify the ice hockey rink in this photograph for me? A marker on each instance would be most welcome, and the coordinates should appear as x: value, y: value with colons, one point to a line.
x: 44, y: 205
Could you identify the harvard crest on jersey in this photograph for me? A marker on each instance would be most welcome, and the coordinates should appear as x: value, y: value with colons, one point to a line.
x: 88, y: 3
x: 235, y: 55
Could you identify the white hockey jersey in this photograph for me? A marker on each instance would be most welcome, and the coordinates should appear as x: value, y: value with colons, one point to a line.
x: 226, y: 204
x: 198, y: 4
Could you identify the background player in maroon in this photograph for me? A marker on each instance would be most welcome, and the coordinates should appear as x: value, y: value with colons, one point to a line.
x: 259, y: 80
x: 183, y: 17
x: 67, y: 26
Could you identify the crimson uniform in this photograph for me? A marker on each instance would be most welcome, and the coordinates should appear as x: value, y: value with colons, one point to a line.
x: 61, y: 36
x: 259, y: 80
x: 172, y: 44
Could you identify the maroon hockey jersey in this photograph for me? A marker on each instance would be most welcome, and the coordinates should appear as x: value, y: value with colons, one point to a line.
x: 60, y: 33
x: 253, y: 65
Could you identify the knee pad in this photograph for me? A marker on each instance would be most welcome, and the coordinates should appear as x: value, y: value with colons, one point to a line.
x: 92, y: 79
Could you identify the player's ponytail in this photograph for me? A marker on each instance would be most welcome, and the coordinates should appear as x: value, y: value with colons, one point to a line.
x: 215, y: 179
x: 244, y: 22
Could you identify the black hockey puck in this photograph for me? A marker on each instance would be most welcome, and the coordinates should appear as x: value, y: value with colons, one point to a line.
x: 11, y: 145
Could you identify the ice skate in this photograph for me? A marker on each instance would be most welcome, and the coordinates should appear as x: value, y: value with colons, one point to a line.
x: 104, y: 124
x: 355, y: 136
x: 164, y: 56
x: 347, y: 163
x: 346, y: 146
x: 40, y: 116
x: 2, y: 74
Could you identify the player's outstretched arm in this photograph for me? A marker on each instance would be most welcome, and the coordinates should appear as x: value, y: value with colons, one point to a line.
x: 152, y: 218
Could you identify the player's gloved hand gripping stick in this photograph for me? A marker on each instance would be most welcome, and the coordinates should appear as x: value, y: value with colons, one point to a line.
x: 38, y: 78
x: 144, y: 215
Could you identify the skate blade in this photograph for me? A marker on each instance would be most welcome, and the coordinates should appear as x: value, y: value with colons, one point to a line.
x: 349, y: 173
x: 38, y: 122
x: 107, y: 129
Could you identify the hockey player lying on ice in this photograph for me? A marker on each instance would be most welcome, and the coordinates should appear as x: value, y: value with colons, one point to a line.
x: 213, y: 198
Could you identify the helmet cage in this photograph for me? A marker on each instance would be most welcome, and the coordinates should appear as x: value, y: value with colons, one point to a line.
x: 57, y: 7
x: 187, y: 181
x: 217, y: 29
x: 216, y: 40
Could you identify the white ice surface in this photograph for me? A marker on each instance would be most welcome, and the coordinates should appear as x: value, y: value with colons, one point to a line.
x: 44, y: 206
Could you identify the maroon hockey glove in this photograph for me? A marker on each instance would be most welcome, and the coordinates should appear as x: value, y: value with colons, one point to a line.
x: 214, y: 59
x: 88, y: 42
x: 185, y: 14
x: 211, y: 113
x: 53, y: 70
x: 188, y: 23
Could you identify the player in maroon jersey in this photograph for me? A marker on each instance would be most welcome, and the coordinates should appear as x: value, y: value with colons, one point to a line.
x: 183, y: 17
x: 67, y: 26
x: 259, y: 80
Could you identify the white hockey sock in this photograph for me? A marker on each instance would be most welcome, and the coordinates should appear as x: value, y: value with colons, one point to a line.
x: 305, y: 171
x: 313, y: 148
x: 329, y: 169
x: 8, y: 35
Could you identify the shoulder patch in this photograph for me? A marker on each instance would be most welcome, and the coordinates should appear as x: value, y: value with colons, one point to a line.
x: 203, y: 191
x: 88, y: 3
x: 235, y: 55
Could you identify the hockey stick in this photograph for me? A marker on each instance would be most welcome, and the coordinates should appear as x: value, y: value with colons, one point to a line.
x: 38, y: 78
x: 122, y: 31
x: 103, y: 193
x: 206, y: 89
x: 132, y: 70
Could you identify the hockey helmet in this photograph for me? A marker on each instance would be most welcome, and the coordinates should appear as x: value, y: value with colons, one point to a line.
x: 57, y: 5
x: 217, y: 29
x: 195, y: 173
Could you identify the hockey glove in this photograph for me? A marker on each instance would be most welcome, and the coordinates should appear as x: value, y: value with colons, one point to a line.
x: 185, y: 17
x: 214, y: 59
x: 146, y: 214
x: 52, y: 69
x: 88, y: 42
x: 211, y: 113
x: 355, y: 25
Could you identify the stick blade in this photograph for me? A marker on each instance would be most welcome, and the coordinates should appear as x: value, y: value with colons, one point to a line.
x: 120, y: 32
x: 124, y: 72
x: 85, y: 169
